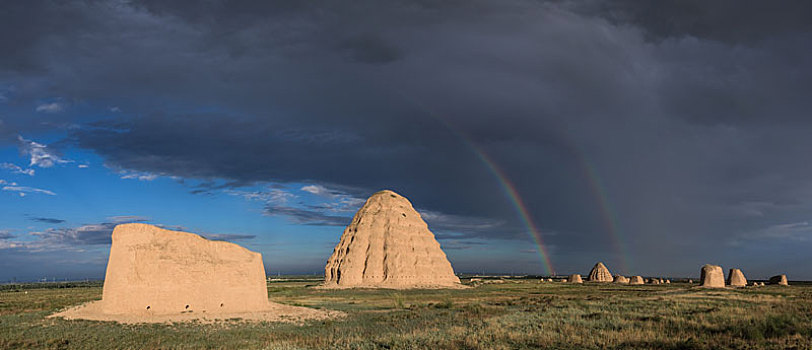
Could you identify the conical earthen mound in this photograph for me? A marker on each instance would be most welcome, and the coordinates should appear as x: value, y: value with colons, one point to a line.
x: 600, y: 273
x: 575, y: 278
x: 735, y: 278
x: 388, y: 245
x: 621, y: 279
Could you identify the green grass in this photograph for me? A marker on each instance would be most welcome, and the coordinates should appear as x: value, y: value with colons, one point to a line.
x: 521, y: 314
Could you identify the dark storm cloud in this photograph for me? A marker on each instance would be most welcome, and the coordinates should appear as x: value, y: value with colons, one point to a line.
x: 83, y: 235
x: 676, y: 124
x: 80, y: 238
x: 73, y: 238
x: 307, y: 217
x: 370, y: 49
x: 47, y: 220
x: 737, y: 22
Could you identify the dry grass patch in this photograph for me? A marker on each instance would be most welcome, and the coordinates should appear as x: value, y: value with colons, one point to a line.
x: 516, y: 315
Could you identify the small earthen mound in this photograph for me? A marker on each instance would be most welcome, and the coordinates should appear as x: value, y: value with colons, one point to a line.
x: 667, y: 282
x: 655, y: 281
x: 388, y: 245
x: 621, y: 279
x: 712, y: 277
x: 735, y: 278
x: 575, y: 278
x: 780, y: 280
x: 600, y: 273
x: 636, y: 280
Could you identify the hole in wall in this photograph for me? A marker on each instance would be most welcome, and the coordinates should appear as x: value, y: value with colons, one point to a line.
x: 187, y: 307
x: 147, y: 307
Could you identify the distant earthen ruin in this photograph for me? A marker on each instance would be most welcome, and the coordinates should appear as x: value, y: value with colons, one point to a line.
x: 575, y: 278
x: 712, y: 277
x: 735, y: 278
x: 780, y: 280
x: 621, y: 279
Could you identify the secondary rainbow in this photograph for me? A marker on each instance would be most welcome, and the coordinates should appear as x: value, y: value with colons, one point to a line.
x: 608, y: 215
x: 507, y: 187
x: 504, y: 182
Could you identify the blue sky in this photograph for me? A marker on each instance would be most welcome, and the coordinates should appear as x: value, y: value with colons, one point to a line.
x: 62, y: 208
x: 653, y: 137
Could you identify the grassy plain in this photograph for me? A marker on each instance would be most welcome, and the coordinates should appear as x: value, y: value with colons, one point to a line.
x: 517, y: 314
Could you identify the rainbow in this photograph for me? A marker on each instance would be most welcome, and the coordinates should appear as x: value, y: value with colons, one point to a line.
x: 521, y: 208
x: 608, y: 215
x: 507, y: 187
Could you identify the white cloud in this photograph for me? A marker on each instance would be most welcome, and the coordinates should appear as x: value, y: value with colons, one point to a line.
x: 11, y: 244
x: 82, y: 166
x: 800, y: 231
x: 140, y: 176
x: 5, y: 234
x: 53, y: 107
x: 318, y: 190
x: 796, y: 231
x: 23, y: 190
x: 338, y: 201
x: 115, y: 109
x: 40, y: 155
x: 16, y: 169
x: 272, y: 195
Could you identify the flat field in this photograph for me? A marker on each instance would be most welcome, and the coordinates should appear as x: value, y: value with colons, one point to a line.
x: 516, y: 314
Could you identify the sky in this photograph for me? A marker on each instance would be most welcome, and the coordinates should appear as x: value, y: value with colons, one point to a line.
x: 533, y: 136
